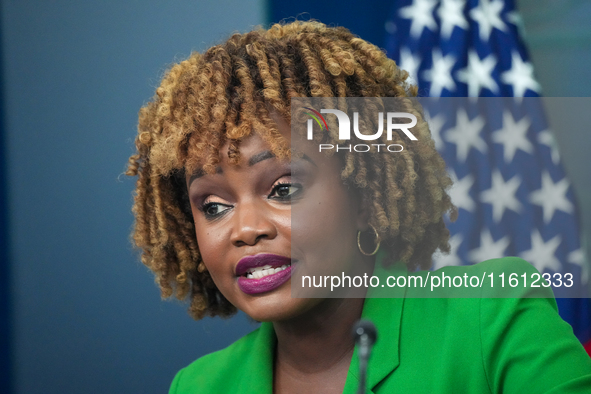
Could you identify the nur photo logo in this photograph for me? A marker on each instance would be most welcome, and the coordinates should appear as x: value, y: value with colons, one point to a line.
x: 344, y: 124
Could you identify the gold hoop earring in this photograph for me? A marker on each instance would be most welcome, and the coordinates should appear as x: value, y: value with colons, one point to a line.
x: 377, y: 237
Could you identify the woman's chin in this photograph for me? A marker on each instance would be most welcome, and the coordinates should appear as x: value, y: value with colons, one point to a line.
x: 277, y: 305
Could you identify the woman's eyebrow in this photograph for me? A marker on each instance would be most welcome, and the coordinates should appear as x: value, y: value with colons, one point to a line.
x: 299, y: 155
x: 307, y: 158
x: 260, y: 157
x: 269, y: 155
x: 199, y: 173
x: 251, y: 162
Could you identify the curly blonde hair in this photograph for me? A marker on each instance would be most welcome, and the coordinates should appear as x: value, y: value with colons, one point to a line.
x: 224, y: 95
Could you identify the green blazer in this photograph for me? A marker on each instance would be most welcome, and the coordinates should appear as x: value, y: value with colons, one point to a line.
x: 429, y: 345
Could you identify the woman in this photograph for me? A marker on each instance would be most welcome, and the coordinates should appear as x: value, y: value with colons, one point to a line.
x: 217, y: 186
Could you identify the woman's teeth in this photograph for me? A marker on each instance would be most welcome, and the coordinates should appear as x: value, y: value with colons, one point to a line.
x: 260, y: 272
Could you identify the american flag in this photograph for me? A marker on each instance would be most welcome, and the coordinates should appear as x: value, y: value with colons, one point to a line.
x: 510, y: 187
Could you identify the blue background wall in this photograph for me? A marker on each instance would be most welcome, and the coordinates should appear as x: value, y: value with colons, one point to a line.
x: 5, y: 301
x: 86, y: 315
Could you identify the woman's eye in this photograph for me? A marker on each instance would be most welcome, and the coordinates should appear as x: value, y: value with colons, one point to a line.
x: 213, y: 209
x: 285, y: 191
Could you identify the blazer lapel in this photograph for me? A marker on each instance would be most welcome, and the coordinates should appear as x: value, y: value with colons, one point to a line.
x: 383, y: 307
x: 256, y: 369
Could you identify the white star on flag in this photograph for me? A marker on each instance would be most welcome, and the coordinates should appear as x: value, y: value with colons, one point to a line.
x: 513, y: 136
x: 552, y: 197
x: 478, y: 74
x: 466, y: 134
x: 521, y: 76
x: 445, y: 260
x: 488, y: 16
x: 547, y: 138
x: 489, y: 249
x: 501, y: 195
x: 410, y: 63
x: 440, y: 74
x: 460, y: 191
x: 513, y: 198
x: 435, y: 126
x: 578, y: 257
x: 541, y: 254
x: 421, y: 13
x: 451, y: 13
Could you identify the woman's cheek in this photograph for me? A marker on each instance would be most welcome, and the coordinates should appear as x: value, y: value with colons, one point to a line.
x: 207, y: 241
x: 211, y: 248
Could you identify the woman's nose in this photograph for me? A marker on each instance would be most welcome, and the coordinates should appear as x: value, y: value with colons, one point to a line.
x: 251, y: 224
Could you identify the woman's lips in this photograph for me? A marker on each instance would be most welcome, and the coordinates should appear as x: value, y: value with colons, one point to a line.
x: 266, y: 283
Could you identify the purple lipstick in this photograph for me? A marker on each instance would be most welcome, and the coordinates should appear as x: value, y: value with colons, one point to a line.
x: 262, y: 272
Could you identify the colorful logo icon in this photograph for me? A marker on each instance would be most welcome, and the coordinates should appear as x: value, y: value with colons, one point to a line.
x: 317, y: 115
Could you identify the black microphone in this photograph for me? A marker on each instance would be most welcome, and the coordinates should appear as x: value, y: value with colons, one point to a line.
x: 365, y: 335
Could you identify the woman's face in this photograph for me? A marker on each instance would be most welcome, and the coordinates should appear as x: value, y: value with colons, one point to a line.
x: 244, y: 227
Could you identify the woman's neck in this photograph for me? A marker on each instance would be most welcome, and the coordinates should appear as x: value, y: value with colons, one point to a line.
x: 315, y: 349
x: 321, y: 335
